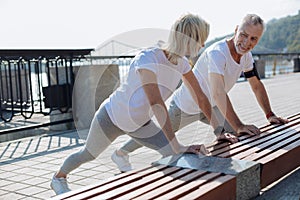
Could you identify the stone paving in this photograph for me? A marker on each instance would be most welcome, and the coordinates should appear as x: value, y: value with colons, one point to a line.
x: 27, y: 165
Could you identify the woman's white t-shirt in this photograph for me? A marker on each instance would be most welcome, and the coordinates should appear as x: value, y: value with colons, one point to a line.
x: 128, y: 107
x: 216, y: 59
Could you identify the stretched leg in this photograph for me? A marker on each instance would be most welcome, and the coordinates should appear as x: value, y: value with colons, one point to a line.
x: 178, y: 119
x: 101, y: 133
x: 152, y: 136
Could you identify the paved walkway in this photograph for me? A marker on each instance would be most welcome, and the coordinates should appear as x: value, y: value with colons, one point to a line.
x: 28, y: 164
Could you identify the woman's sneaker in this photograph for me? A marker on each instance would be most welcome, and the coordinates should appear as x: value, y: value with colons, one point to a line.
x: 122, y: 162
x: 59, y: 185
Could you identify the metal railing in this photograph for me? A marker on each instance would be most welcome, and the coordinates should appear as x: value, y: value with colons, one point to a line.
x: 41, y: 84
x: 278, y: 63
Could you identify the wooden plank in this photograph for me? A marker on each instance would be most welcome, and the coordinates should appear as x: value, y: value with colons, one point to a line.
x: 247, y: 146
x: 280, y: 163
x: 275, y: 147
x: 267, y: 143
x: 222, y: 188
x: 191, y: 186
x: 148, y: 179
x: 176, y: 183
x: 103, y: 182
x: 154, y: 185
x: 233, y: 149
x: 115, y: 184
x: 214, y: 147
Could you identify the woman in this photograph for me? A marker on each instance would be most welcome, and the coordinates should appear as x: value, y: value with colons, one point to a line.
x: 153, y: 76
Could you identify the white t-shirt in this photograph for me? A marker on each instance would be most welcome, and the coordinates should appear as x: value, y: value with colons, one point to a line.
x: 216, y: 59
x: 128, y: 107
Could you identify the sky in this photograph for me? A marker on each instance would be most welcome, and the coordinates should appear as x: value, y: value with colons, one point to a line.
x: 74, y: 24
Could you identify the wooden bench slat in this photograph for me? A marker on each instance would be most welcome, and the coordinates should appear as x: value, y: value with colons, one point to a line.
x: 191, y: 186
x: 173, y: 185
x: 291, y: 119
x: 277, y: 139
x: 117, y: 183
x: 232, y: 149
x: 147, y: 179
x: 103, y: 182
x: 246, y: 146
x: 153, y: 185
x: 222, y: 188
x: 214, y: 147
x: 286, y: 160
x: 274, y: 148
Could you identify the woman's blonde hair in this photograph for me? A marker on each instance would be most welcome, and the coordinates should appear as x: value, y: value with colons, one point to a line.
x: 188, y: 33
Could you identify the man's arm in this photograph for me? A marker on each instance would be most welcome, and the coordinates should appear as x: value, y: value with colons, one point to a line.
x: 263, y: 100
x: 224, y: 104
x: 202, y: 101
x: 200, y: 98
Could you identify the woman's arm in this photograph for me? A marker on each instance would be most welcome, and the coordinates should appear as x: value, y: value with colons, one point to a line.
x: 150, y: 86
x: 159, y: 109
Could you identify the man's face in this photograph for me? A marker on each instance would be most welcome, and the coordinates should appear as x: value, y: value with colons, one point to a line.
x: 246, y: 37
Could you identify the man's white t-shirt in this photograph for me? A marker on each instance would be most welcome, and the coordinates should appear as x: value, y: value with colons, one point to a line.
x: 128, y: 107
x: 215, y: 59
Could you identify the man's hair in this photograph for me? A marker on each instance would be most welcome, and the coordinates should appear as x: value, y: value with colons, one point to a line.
x: 189, y: 31
x: 253, y: 19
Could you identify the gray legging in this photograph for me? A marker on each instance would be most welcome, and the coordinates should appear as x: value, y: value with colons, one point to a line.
x: 179, y: 119
x: 103, y: 132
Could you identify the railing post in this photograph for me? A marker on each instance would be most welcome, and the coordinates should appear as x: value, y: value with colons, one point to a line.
x: 296, y: 64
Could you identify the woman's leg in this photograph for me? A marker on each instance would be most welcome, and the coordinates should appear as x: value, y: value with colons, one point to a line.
x: 101, y: 133
x: 132, y: 145
x: 178, y: 119
x: 152, y: 136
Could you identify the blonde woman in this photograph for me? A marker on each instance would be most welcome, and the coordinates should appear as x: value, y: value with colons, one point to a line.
x: 153, y: 76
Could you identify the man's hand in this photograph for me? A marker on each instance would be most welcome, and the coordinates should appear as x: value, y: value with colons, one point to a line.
x: 198, y: 149
x: 248, y: 129
x: 277, y: 120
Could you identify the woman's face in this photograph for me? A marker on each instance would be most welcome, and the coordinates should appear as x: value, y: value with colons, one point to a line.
x: 246, y: 37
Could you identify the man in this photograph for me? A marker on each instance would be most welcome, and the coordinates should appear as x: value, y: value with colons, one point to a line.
x: 217, y: 70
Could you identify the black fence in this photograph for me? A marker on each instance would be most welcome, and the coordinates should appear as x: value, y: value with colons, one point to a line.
x: 36, y: 81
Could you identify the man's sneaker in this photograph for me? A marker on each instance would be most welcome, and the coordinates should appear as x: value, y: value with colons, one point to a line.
x: 59, y: 185
x: 122, y: 162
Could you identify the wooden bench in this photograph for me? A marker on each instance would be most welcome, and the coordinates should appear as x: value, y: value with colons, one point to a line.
x: 159, y: 182
x: 276, y: 151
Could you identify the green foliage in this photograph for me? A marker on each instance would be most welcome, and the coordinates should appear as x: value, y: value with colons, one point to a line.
x: 281, y: 35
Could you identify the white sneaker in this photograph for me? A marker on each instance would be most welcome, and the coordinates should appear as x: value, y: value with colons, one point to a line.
x: 122, y: 162
x: 59, y: 185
